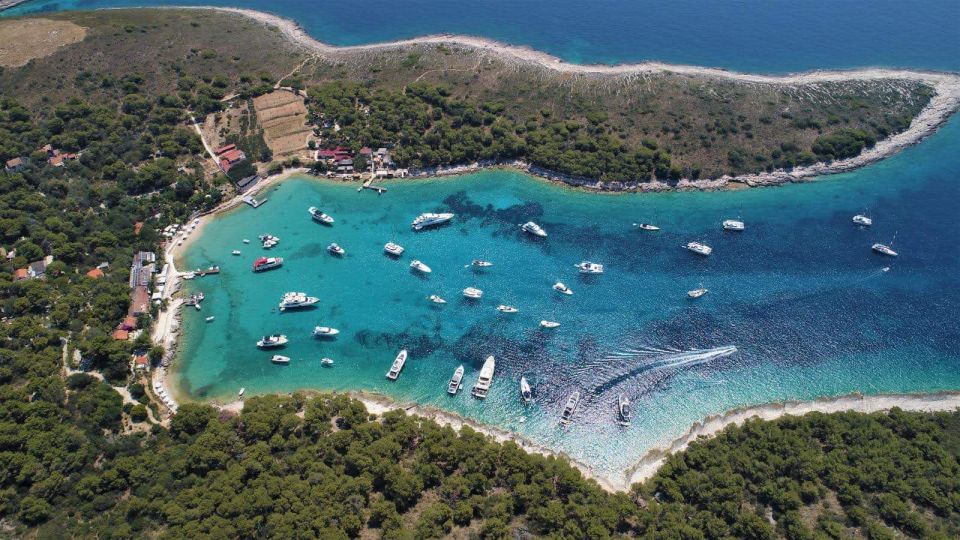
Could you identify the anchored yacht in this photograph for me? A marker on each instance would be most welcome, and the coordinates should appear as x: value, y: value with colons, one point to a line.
x: 393, y: 249
x: 570, y: 408
x: 267, y: 263
x: 884, y: 250
x: 429, y: 220
x: 733, y: 225
x: 646, y: 227
x: 335, y: 249
x: 534, y: 229
x: 525, y: 391
x: 326, y: 362
x: 297, y: 300
x: 455, y: 382
x: 324, y: 331
x: 862, y: 220
x: 280, y: 359
x: 436, y: 299
x: 486, y: 378
x: 271, y: 341
x: 503, y: 308
x: 561, y: 288
x: 587, y: 267
x: 697, y: 293
x: 473, y: 293
x: 420, y: 267
x: 699, y: 249
x: 397, y: 365
x: 235, y: 252
x: 623, y: 410
x: 548, y: 324
x: 319, y: 216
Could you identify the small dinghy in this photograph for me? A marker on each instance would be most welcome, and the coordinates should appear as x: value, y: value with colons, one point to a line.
x: 335, y: 249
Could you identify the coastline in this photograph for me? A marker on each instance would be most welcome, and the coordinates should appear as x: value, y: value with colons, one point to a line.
x: 944, y: 103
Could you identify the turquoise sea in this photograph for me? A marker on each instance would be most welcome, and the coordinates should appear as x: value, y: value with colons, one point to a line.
x: 799, y: 293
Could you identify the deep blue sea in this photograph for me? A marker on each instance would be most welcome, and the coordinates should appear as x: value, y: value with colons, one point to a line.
x: 799, y: 293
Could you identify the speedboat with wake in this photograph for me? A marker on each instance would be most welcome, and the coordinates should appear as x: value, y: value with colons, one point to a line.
x: 646, y: 227
x: 525, y: 393
x: 297, y: 300
x: 862, y: 220
x: 393, y: 249
x: 319, y: 216
x: 455, y: 382
x: 272, y: 341
x: 420, y: 267
x: 324, y: 331
x: 698, y: 248
x: 587, y: 267
x: 436, y: 299
x: 430, y: 220
x: 397, y: 365
x: 623, y: 410
x: 472, y: 293
x: 335, y: 249
x: 560, y: 287
x: 570, y: 408
x: 549, y: 324
x: 534, y: 229
x: 485, y: 379
x: 503, y: 308
x: 733, y: 225
x: 884, y: 250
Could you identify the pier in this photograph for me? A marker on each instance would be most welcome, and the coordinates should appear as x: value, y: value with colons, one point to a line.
x: 369, y: 185
x: 253, y: 201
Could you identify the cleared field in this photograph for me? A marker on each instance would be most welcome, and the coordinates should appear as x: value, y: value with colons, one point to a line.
x: 24, y: 40
x: 283, y: 117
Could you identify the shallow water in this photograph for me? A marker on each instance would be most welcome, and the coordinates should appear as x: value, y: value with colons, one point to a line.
x: 799, y: 294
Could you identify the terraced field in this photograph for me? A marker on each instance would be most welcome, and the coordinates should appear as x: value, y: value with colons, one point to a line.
x: 283, y: 117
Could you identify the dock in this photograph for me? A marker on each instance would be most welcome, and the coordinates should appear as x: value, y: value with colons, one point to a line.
x: 252, y: 201
x: 369, y: 185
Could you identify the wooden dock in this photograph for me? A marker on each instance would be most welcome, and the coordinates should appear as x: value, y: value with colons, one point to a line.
x: 253, y: 202
x: 369, y: 185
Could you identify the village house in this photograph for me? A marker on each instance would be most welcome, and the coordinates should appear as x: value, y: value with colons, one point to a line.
x: 20, y: 274
x: 229, y: 155
x: 141, y: 362
x: 14, y: 165
x: 142, y: 269
x: 95, y: 273
x: 36, y: 269
x: 120, y: 335
x: 139, y: 301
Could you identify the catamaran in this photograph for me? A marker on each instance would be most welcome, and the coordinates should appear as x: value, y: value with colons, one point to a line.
x: 862, y: 220
x: 420, y: 267
x: 623, y: 410
x: 297, y: 300
x: 560, y: 287
x: 698, y: 248
x: 280, y: 359
x: 271, y: 341
x: 472, y: 293
x: 429, y: 220
x: 503, y: 308
x: 884, y: 250
x: 570, y: 408
x: 335, y: 249
x: 733, y: 225
x: 486, y: 378
x: 534, y: 229
x: 393, y: 249
x: 319, y: 216
x: 548, y: 324
x: 587, y: 267
x: 267, y: 263
x: 436, y: 299
x: 324, y: 331
x: 525, y: 391
x: 397, y: 365
x: 455, y: 382
x: 646, y: 227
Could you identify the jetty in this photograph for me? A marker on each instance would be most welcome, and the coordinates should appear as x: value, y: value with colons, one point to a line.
x: 252, y: 201
x: 368, y: 184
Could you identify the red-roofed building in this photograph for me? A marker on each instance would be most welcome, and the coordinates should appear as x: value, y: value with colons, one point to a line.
x: 139, y: 301
x: 230, y: 158
x: 225, y: 148
x: 20, y: 274
x: 96, y: 273
x: 326, y: 154
x: 141, y: 362
x: 365, y: 151
x: 120, y: 335
x: 129, y: 323
x: 137, y: 227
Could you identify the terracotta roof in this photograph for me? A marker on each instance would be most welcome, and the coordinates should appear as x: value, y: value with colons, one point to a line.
x: 137, y: 227
x: 141, y: 360
x: 20, y: 273
x: 96, y: 273
x: 224, y: 148
x: 139, y: 300
x: 129, y: 323
x: 232, y: 156
x: 14, y: 163
x: 120, y: 335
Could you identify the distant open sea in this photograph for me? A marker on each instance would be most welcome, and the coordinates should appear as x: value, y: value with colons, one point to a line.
x: 799, y: 293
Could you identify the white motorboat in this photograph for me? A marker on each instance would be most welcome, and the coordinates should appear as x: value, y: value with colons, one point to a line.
x: 436, y: 299
x: 235, y: 252
x: 698, y: 292
x: 503, y: 308
x: 397, y: 365
x: 326, y: 362
x: 391, y: 248
x: 473, y: 293
x: 197, y: 306
x: 420, y: 267
x: 698, y: 248
x: 733, y: 225
x: 319, y: 216
x: 430, y: 220
x: 485, y: 379
x: 477, y: 263
x: 646, y: 227
x: 335, y: 249
x: 548, y: 324
x: 210, y: 318
x: 534, y: 229
x: 280, y: 359
x: 884, y: 250
x: 241, y: 392
x: 560, y: 287
x: 587, y: 267
x: 324, y: 331
x: 274, y: 340
x: 246, y: 241
x: 297, y: 300
x: 623, y: 410
x: 267, y: 263
x: 570, y: 408
x: 455, y: 382
x: 862, y: 220
x: 525, y: 391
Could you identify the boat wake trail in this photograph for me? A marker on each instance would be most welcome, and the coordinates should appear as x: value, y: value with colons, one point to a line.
x: 657, y: 360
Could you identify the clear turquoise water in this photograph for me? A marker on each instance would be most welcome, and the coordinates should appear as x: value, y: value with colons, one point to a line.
x: 799, y: 293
